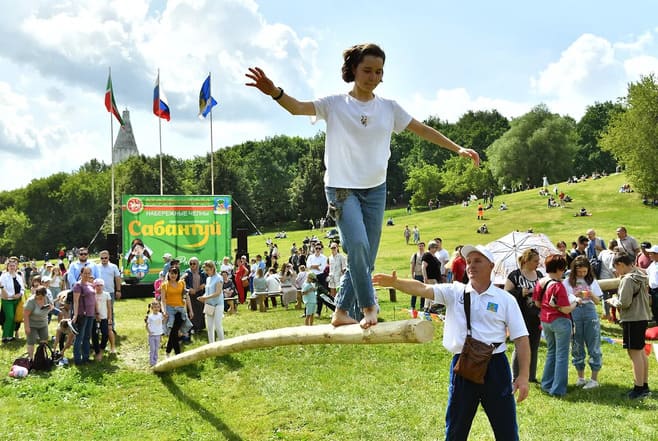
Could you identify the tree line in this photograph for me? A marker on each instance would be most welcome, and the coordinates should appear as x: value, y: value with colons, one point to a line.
x: 278, y: 182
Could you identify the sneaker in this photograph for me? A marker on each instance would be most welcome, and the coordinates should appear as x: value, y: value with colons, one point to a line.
x: 581, y: 382
x: 636, y: 394
x: 591, y: 384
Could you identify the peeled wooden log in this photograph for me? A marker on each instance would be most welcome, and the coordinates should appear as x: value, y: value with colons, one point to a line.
x: 407, y: 331
x: 608, y: 284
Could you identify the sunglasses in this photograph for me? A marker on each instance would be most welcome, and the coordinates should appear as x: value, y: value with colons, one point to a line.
x: 83, y: 254
x: 104, y: 258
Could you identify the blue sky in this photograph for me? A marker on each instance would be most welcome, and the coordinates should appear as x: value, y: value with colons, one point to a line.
x: 443, y: 59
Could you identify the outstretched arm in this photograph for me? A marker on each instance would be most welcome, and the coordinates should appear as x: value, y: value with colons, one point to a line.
x: 261, y: 82
x: 434, y: 136
x: 410, y: 286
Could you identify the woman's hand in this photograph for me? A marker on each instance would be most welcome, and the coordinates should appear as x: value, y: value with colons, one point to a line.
x: 261, y: 82
x: 470, y: 153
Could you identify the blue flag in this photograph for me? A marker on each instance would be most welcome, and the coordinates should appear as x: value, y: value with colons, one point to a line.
x: 206, y: 102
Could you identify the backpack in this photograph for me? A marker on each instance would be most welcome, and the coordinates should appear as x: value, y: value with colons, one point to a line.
x: 43, y: 358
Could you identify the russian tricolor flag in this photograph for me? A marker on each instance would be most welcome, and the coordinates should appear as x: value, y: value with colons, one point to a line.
x: 160, y: 106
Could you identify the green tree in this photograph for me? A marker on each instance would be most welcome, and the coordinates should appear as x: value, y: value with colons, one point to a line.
x: 14, y: 227
x: 539, y: 143
x: 632, y: 136
x: 478, y: 130
x: 460, y: 178
x: 306, y: 193
x: 42, y: 204
x: 590, y: 157
x: 424, y: 183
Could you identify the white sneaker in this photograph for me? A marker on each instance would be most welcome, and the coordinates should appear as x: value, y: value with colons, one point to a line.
x: 581, y: 382
x: 591, y: 384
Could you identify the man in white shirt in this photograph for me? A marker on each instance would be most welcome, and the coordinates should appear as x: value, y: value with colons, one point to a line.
x: 493, y: 312
x: 316, y: 263
x: 111, y: 276
x: 444, y: 257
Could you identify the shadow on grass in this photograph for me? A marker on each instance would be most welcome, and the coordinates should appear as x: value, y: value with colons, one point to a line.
x: 203, y: 412
x: 607, y: 394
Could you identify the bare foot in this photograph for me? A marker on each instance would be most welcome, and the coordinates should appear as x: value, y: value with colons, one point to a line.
x: 369, y: 317
x: 340, y: 318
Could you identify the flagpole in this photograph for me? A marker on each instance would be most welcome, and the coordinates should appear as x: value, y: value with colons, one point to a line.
x: 212, y: 168
x: 112, y: 158
x: 160, y: 136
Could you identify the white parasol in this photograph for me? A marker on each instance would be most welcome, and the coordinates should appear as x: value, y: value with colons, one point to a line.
x: 508, y: 248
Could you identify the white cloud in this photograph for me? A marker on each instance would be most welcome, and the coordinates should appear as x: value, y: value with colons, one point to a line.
x: 61, y: 52
x: 451, y: 104
x: 593, y: 69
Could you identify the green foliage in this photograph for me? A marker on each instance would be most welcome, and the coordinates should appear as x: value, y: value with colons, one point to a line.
x: 460, y: 178
x: 14, y: 226
x: 424, y: 183
x: 306, y: 192
x: 478, y: 130
x: 589, y: 157
x: 539, y: 143
x: 632, y: 136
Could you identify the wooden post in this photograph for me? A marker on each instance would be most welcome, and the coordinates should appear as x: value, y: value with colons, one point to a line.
x: 407, y: 331
x: 392, y: 295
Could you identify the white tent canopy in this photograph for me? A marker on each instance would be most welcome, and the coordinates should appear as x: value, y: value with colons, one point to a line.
x: 507, y: 249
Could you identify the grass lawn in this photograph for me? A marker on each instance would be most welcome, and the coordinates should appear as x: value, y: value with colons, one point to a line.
x: 360, y: 392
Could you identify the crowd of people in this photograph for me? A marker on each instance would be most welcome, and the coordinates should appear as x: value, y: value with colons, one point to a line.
x: 561, y: 304
x: 79, y: 298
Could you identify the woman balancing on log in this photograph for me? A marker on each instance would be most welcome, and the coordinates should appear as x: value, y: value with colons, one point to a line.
x: 357, y: 149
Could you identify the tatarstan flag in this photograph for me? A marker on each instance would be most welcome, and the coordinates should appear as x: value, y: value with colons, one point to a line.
x: 110, y: 104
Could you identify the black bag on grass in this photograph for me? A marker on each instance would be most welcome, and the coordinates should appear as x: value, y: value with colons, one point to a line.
x: 43, y: 358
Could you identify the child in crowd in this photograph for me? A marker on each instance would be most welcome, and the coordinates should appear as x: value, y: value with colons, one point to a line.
x: 65, y: 334
x: 100, y: 335
x: 155, y: 327
x: 309, y: 297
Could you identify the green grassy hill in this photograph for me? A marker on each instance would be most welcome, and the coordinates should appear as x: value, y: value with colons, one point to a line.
x: 457, y: 225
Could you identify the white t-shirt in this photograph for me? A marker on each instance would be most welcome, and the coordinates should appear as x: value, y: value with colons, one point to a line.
x: 101, y: 304
x: 581, y: 285
x: 358, y: 140
x: 154, y: 322
x: 492, y: 313
x: 444, y: 258
x: 273, y: 283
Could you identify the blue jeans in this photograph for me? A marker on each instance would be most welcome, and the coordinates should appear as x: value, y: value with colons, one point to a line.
x: 414, y: 298
x: 556, y: 370
x: 82, y: 342
x: 171, y: 313
x: 587, y: 334
x: 359, y: 215
x: 495, y: 395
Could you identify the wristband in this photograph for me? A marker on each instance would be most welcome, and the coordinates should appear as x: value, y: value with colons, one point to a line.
x: 278, y: 97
